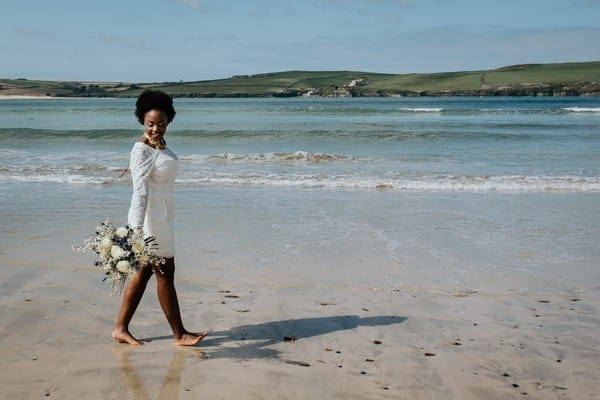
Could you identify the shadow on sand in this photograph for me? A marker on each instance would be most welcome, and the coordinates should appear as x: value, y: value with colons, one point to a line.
x: 251, y: 341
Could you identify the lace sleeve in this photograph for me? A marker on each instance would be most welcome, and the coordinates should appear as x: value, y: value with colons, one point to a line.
x: 141, y: 162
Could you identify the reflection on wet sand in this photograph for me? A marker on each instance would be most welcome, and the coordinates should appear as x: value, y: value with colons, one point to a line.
x: 172, y: 381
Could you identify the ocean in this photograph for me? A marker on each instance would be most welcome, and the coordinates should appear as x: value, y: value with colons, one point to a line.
x: 434, y: 193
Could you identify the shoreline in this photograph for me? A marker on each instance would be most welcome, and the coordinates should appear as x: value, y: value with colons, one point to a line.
x: 274, y: 96
x: 24, y: 97
x: 30, y: 97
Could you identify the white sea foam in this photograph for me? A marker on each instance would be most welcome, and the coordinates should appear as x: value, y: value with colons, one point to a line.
x: 95, y: 174
x: 83, y: 168
x: 58, y: 178
x: 83, y: 157
x: 440, y: 184
x: 421, y: 109
x: 582, y: 109
x: 276, y: 157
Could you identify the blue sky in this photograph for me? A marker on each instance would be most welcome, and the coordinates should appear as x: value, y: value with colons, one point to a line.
x: 171, y: 40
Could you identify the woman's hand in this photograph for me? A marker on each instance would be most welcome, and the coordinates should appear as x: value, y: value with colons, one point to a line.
x: 122, y: 171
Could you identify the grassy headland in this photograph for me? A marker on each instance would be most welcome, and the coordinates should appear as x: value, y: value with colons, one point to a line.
x: 566, y: 79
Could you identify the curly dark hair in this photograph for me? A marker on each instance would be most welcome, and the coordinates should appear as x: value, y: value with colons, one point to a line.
x: 154, y: 100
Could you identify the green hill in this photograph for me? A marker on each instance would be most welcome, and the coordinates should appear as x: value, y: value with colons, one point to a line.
x: 528, y: 79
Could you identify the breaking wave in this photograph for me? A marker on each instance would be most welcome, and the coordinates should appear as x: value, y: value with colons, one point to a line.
x: 516, y: 183
x: 274, y: 157
x: 421, y: 109
x: 582, y: 109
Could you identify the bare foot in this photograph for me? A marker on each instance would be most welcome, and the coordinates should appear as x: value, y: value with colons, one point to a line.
x: 123, y: 336
x: 190, y: 339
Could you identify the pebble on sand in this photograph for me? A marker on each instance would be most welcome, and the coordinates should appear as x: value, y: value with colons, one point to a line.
x: 300, y: 363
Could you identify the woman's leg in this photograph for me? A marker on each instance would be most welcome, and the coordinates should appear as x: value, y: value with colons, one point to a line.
x: 167, y: 296
x: 131, y: 298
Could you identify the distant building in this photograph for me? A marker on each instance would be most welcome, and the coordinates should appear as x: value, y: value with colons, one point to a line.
x: 356, y: 81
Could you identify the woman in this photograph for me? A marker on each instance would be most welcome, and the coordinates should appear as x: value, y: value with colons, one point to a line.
x: 153, y: 169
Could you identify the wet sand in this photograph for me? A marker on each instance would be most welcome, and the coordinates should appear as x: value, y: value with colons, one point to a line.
x: 281, y: 340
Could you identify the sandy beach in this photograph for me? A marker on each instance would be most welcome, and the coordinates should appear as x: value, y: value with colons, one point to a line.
x: 279, y: 341
x: 24, y: 97
x: 37, y: 97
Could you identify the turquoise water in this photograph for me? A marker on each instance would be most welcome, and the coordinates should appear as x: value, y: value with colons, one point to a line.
x: 445, y: 144
x: 431, y: 192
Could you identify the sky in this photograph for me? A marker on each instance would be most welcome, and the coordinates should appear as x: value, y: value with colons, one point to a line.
x: 191, y: 40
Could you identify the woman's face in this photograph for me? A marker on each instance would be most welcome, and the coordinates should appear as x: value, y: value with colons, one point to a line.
x: 155, y: 125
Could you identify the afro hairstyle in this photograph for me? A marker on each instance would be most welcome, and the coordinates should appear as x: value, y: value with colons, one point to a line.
x: 154, y: 100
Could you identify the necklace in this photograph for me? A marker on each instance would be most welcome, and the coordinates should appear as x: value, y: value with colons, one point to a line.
x: 160, y: 144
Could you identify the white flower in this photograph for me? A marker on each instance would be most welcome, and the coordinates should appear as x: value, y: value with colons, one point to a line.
x: 123, y: 266
x: 138, y: 246
x: 104, y: 252
x: 122, y: 232
x: 106, y: 242
x: 117, y: 252
x: 107, y: 268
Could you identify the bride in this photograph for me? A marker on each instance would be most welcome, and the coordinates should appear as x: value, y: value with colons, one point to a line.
x: 153, y: 168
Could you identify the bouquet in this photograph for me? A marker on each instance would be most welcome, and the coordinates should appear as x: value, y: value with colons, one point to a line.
x: 121, y: 251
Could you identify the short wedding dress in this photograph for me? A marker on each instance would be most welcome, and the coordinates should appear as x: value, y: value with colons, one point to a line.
x: 153, y: 173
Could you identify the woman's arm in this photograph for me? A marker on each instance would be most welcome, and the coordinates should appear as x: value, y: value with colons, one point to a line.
x: 141, y: 162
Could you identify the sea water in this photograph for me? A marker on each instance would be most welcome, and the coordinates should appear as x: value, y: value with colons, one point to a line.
x: 425, y: 192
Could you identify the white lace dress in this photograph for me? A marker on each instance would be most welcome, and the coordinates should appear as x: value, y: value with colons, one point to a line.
x: 153, y: 173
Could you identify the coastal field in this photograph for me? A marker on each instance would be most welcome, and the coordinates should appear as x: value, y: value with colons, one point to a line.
x: 519, y: 80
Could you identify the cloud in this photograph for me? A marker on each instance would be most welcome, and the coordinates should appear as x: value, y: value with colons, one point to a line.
x: 209, y: 38
x: 371, y: 2
x: 126, y: 42
x: 32, y: 33
x: 190, y: 3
